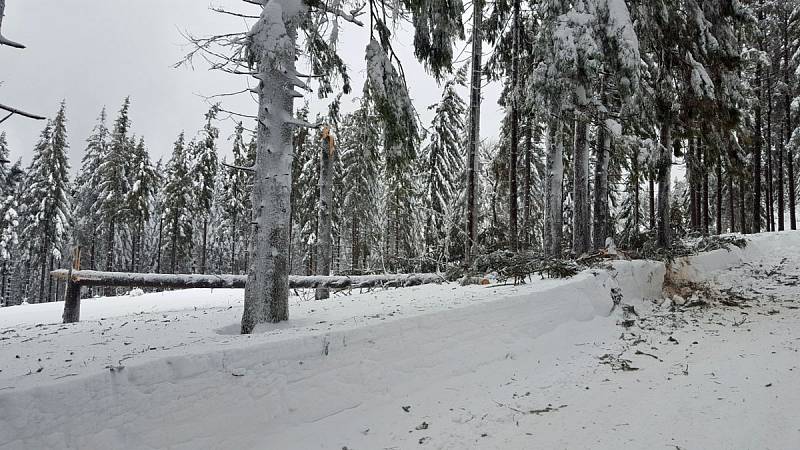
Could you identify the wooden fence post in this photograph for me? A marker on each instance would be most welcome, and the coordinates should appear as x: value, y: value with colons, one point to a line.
x: 72, y: 295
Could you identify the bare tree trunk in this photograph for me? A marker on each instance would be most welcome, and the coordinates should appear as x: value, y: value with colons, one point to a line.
x: 706, y: 216
x: 720, y: 184
x: 781, y: 186
x: 755, y: 227
x: 731, y: 202
x: 601, y: 214
x: 205, y: 246
x: 160, y: 236
x: 770, y: 162
x: 691, y: 176
x: 787, y: 120
x: 474, y: 130
x: 267, y: 293
x: 664, y: 172
x: 652, y: 197
x: 174, y: 249
x: 354, y: 244
x: 581, y: 234
x: 513, y: 213
x: 110, y: 247
x: 527, y: 226
x: 325, y: 204
x: 553, y: 188
x: 233, y: 243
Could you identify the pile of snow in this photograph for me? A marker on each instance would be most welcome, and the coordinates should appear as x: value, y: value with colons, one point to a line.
x: 376, y: 369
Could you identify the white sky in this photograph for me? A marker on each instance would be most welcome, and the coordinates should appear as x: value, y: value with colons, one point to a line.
x: 95, y: 52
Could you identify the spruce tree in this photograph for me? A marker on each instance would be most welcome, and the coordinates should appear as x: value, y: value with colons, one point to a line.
x: 204, y: 174
x: 444, y: 166
x: 46, y: 198
x: 178, y: 198
x: 113, y: 183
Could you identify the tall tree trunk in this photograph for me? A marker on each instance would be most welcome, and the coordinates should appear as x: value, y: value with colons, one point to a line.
x: 691, y: 176
x: 110, y: 247
x: 354, y: 244
x: 651, y: 192
x: 474, y: 130
x: 553, y: 188
x: 205, y: 246
x: 603, y: 151
x: 266, y: 297
x: 325, y: 203
x: 160, y: 236
x: 731, y: 202
x: 637, y: 204
x: 174, y: 248
x: 745, y: 198
x: 705, y: 203
x: 755, y: 226
x: 787, y: 121
x: 664, y: 169
x: 781, y: 186
x: 581, y: 234
x: 770, y: 206
x: 234, y: 216
x: 527, y: 226
x: 513, y: 213
x: 720, y: 184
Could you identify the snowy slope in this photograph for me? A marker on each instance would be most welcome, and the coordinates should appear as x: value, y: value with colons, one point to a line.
x: 435, y: 366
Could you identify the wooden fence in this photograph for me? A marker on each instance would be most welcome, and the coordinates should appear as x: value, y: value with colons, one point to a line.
x: 77, y: 279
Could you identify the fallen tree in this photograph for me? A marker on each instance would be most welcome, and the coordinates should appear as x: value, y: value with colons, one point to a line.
x: 76, y: 279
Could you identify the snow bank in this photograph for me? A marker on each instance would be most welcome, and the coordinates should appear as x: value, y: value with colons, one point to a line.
x: 233, y: 396
x: 708, y: 266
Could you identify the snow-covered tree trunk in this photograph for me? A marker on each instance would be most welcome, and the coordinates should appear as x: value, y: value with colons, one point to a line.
x: 581, y: 237
x: 474, y: 129
x: 601, y: 189
x: 664, y: 171
x: 553, y: 188
x: 326, y: 151
x: 272, y: 46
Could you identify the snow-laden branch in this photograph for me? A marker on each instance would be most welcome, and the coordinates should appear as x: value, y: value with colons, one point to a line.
x: 4, y: 41
x: 13, y: 111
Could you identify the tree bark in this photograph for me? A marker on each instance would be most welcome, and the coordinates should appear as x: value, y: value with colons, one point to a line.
x: 691, y: 177
x: 651, y: 192
x: 603, y: 150
x: 474, y: 130
x: 720, y: 184
x: 325, y: 203
x: 731, y: 202
x: 553, y: 188
x: 705, y: 203
x: 664, y: 170
x: 787, y: 121
x: 513, y: 213
x: 755, y: 226
x: 581, y: 234
x: 527, y: 225
x: 266, y: 296
x: 205, y: 245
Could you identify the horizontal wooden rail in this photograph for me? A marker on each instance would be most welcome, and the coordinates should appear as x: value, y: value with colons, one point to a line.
x: 76, y: 279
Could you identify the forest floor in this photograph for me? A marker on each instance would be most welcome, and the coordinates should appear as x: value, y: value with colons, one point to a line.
x: 546, y: 365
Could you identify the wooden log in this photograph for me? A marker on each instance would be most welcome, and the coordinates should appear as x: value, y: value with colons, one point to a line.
x: 77, y: 278
x: 153, y: 280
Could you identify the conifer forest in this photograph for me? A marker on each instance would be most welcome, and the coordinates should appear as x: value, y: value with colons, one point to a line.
x: 625, y: 123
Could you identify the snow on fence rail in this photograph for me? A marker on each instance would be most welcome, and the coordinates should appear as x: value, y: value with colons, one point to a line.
x: 76, y: 279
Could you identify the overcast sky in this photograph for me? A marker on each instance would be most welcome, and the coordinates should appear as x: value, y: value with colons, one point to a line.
x: 93, y: 53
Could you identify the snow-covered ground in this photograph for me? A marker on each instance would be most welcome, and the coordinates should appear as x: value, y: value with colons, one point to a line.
x: 552, y: 364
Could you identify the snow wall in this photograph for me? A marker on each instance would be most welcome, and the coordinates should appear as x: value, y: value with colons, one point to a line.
x: 226, y: 398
